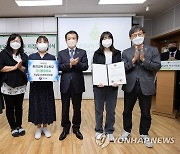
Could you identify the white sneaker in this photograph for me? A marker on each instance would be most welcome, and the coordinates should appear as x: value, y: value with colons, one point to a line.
x: 110, y: 137
x: 38, y: 133
x: 147, y: 141
x: 98, y: 135
x: 125, y: 135
x: 46, y: 132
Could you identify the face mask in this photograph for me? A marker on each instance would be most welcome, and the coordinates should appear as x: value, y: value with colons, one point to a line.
x: 138, y: 40
x: 15, y: 45
x: 107, y: 43
x: 71, y: 43
x: 172, y: 49
x: 42, y: 46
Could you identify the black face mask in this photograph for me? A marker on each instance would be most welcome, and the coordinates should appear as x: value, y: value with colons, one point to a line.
x: 172, y: 49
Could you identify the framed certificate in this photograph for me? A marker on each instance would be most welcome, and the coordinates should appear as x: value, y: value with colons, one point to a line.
x: 108, y: 74
x: 42, y: 70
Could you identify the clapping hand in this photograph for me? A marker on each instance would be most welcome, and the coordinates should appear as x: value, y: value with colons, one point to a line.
x: 135, y: 58
x: 18, y: 65
x: 142, y: 54
x: 74, y: 61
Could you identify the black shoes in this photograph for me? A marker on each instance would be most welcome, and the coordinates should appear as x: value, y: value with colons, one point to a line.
x: 15, y: 132
x: 19, y: 131
x: 78, y: 134
x: 63, y: 135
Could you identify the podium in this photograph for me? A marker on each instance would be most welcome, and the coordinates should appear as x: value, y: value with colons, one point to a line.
x: 165, y: 89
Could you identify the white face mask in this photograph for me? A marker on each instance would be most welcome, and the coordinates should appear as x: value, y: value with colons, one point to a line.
x: 138, y: 40
x: 71, y: 43
x: 15, y: 45
x: 107, y: 43
x: 42, y: 46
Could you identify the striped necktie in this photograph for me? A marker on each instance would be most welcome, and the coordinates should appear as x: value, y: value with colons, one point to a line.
x: 71, y: 53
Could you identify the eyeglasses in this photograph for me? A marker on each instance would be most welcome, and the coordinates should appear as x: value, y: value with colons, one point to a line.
x: 138, y: 34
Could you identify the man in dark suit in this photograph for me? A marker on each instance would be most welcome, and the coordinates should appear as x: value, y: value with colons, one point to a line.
x: 173, y: 54
x: 72, y: 62
x: 141, y: 64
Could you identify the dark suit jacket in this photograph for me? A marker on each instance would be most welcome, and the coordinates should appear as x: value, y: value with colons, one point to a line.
x: 165, y: 56
x: 75, y: 73
x: 147, y: 70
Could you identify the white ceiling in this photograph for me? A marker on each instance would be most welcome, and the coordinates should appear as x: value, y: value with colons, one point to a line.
x: 8, y: 8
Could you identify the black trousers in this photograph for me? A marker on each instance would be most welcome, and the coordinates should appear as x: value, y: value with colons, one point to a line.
x: 76, y: 102
x: 105, y: 97
x: 145, y: 106
x: 14, y: 109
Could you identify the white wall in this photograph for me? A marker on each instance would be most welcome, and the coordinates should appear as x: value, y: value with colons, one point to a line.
x: 166, y: 22
x: 44, y: 25
x: 148, y: 30
x: 28, y: 25
x: 90, y: 30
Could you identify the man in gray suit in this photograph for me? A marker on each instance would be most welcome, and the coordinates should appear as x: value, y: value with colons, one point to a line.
x: 141, y: 64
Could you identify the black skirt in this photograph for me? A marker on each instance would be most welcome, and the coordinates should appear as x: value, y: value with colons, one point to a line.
x: 41, y: 103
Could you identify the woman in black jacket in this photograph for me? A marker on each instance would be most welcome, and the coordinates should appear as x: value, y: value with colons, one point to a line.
x: 13, y: 62
x: 105, y: 95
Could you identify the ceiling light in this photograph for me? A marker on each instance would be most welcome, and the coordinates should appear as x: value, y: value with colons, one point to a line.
x: 147, y: 8
x: 121, y: 1
x: 38, y: 2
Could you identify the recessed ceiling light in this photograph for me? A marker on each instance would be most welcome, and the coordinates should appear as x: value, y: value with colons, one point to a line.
x: 121, y: 1
x: 147, y: 8
x: 38, y: 2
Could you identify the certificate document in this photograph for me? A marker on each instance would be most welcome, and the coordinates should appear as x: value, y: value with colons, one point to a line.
x: 42, y: 70
x: 108, y: 74
x: 99, y: 73
x: 116, y: 73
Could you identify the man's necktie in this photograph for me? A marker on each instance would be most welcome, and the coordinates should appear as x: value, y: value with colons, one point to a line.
x: 71, y: 53
x: 172, y: 54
